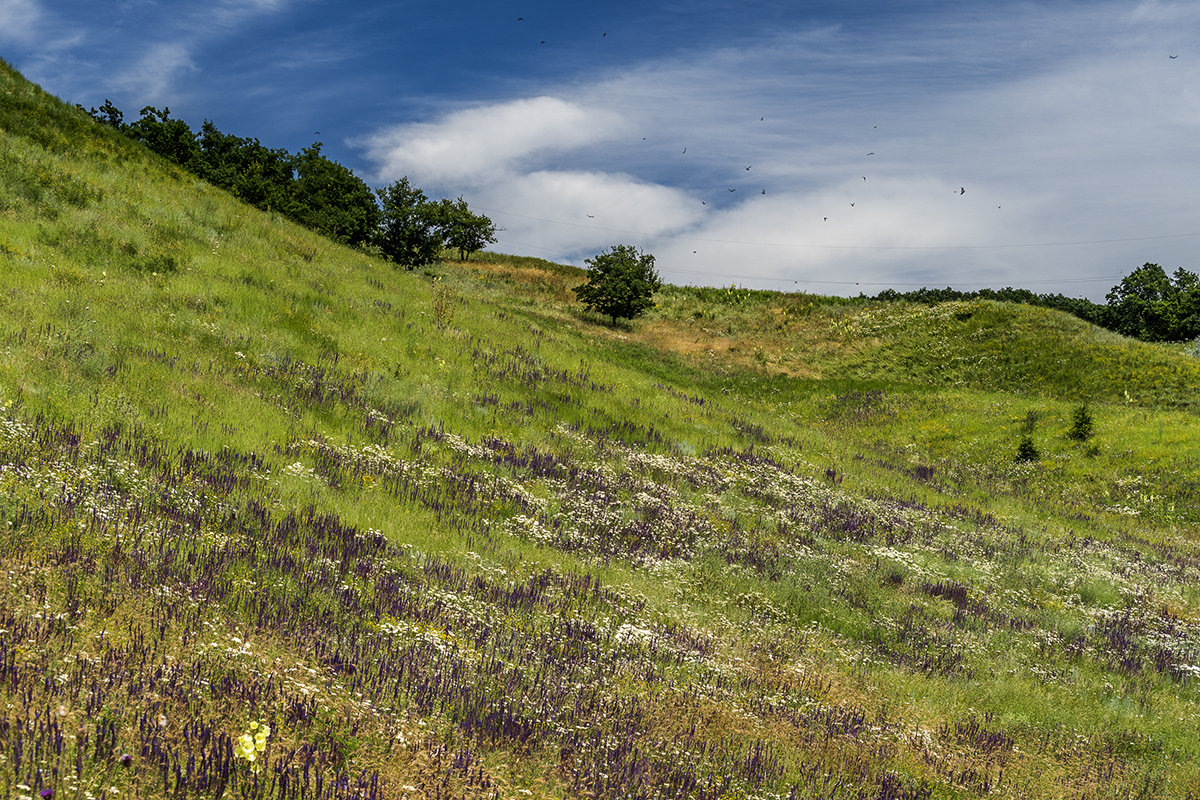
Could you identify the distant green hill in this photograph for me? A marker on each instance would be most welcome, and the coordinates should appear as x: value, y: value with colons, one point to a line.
x: 446, y: 534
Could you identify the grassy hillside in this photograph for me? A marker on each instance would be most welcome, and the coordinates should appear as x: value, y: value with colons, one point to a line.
x: 447, y: 535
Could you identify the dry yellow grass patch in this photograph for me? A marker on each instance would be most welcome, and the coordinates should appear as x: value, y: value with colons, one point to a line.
x: 537, y: 281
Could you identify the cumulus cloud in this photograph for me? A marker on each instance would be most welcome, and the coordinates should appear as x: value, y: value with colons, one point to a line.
x: 476, y: 145
x: 572, y: 213
x: 985, y: 148
x: 845, y: 238
x: 504, y: 156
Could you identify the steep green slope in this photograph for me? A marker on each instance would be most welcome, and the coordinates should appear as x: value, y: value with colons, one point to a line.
x: 446, y: 536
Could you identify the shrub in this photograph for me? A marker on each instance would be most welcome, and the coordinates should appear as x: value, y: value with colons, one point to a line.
x: 1027, y: 450
x: 1081, y: 424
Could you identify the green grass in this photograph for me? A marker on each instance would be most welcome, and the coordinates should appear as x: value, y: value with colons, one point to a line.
x: 447, y: 534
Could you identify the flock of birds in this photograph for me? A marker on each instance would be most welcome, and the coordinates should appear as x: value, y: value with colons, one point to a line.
x: 961, y: 190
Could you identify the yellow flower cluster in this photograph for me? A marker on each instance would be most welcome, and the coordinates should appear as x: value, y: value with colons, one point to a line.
x: 251, y: 743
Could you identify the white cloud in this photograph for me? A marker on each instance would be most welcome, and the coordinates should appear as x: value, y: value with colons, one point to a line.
x: 503, y: 156
x: 18, y: 20
x: 578, y: 212
x: 1159, y: 13
x: 1068, y: 128
x: 152, y: 77
x: 70, y: 55
x: 479, y: 144
x: 896, y: 230
x: 231, y: 15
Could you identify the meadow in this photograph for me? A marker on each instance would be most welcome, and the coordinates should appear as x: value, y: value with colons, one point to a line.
x: 278, y: 520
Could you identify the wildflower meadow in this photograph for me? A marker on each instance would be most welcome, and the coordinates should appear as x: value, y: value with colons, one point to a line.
x: 280, y: 521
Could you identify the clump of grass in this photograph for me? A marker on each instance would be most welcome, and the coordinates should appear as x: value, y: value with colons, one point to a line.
x: 446, y: 300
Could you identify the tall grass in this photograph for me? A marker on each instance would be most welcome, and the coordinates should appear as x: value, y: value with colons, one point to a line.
x: 448, y: 536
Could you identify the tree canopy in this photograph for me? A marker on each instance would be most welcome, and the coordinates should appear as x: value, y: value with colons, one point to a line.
x: 408, y: 233
x: 168, y: 137
x: 329, y: 198
x: 252, y: 172
x: 1149, y: 305
x: 464, y: 231
x: 621, y: 282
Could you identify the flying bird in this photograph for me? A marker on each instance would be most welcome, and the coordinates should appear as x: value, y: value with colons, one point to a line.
x: 685, y: 149
x: 748, y: 168
x: 764, y: 191
x: 961, y: 191
x: 1172, y: 56
x: 733, y: 190
x: 870, y: 154
x: 591, y: 216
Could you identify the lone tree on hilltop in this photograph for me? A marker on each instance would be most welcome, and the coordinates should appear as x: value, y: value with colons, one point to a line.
x: 621, y: 282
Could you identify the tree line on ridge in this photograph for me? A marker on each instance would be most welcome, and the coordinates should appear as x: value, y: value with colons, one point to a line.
x: 312, y: 190
x: 1147, y: 304
x: 411, y: 230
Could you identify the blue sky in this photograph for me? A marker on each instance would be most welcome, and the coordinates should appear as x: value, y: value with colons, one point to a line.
x: 831, y: 147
